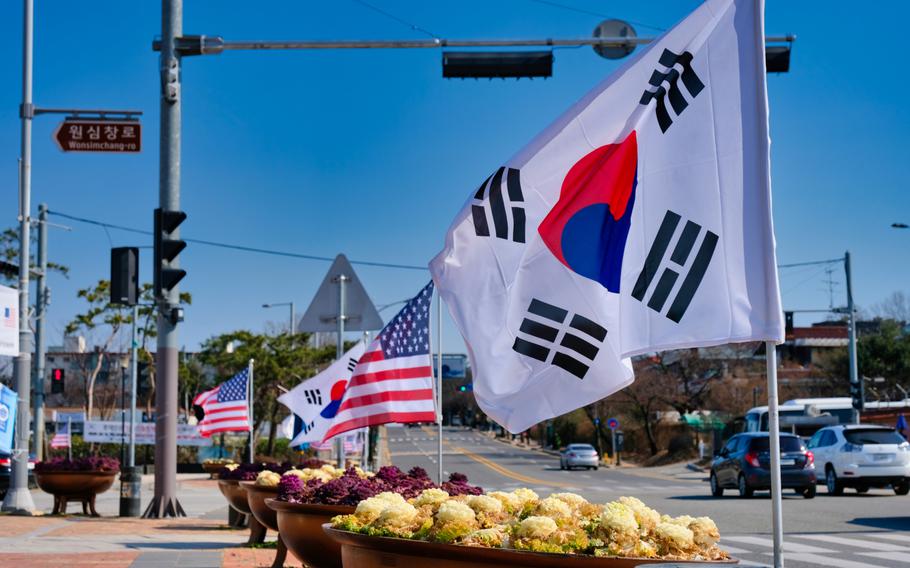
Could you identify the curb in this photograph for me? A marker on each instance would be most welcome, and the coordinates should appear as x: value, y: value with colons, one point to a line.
x: 693, y: 467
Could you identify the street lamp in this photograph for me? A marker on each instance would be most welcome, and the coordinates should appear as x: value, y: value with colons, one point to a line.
x: 293, y: 327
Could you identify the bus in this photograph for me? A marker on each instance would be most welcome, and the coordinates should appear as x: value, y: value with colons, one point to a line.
x: 802, y: 416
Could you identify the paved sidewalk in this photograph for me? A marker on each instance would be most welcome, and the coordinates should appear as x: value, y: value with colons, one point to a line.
x: 201, y: 540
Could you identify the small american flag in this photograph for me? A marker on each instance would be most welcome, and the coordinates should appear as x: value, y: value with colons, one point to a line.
x: 61, y: 437
x: 226, y: 406
x: 393, y: 380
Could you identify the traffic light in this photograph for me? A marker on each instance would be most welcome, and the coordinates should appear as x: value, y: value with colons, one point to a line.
x: 143, y: 385
x: 125, y: 276
x: 58, y: 379
x: 466, y: 388
x: 166, y: 251
x: 856, y: 393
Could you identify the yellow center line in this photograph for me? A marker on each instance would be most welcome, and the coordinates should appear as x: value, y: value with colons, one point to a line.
x: 509, y: 473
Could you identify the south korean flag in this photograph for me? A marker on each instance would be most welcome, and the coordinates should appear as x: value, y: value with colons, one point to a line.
x: 315, y: 401
x: 645, y: 221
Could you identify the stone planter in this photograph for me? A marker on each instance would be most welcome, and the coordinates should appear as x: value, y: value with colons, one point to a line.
x: 81, y: 486
x: 236, y: 498
x: 300, y: 527
x: 381, y: 552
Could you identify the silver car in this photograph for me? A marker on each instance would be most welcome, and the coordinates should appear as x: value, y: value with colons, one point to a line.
x: 579, y: 455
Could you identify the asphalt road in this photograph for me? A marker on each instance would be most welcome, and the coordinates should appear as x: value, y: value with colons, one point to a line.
x: 851, y: 531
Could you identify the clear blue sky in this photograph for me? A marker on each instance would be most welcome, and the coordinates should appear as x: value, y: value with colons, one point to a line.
x: 371, y: 153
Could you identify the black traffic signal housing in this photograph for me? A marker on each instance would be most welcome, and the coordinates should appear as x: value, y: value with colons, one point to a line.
x: 125, y: 276
x: 58, y: 381
x: 143, y: 382
x: 857, y: 394
x: 166, y: 251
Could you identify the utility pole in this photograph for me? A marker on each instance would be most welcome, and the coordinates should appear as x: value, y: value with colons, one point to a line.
x: 18, y: 498
x: 41, y: 303
x: 856, y: 384
x: 339, y: 351
x: 164, y: 503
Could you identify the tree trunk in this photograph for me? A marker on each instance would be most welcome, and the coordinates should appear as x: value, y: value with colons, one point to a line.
x: 649, y: 432
x: 273, y: 427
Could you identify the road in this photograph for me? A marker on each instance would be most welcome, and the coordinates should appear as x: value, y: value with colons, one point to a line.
x: 851, y: 531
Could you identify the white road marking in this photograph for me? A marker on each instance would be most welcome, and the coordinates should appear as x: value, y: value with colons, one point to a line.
x: 902, y: 557
x: 831, y: 561
x: 788, y: 546
x: 855, y: 542
x: 888, y: 536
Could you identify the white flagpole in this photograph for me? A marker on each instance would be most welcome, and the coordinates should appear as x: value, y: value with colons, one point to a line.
x: 249, y: 391
x: 777, y: 518
x: 439, y: 385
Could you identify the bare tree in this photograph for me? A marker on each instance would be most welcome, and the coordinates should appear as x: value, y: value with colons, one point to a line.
x: 896, y: 306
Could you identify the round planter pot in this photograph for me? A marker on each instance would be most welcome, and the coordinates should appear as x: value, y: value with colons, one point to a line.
x: 255, y: 497
x: 81, y: 486
x: 212, y: 469
x: 235, y: 495
x: 300, y: 527
x: 381, y: 552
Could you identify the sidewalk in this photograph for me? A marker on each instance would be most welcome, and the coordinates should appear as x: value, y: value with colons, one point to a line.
x: 200, y: 540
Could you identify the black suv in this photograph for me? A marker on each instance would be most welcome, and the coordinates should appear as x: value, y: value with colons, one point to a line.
x: 744, y: 463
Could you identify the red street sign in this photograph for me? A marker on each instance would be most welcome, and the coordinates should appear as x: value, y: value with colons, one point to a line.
x: 112, y: 136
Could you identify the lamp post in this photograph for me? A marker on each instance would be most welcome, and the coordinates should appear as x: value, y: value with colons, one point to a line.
x: 293, y: 326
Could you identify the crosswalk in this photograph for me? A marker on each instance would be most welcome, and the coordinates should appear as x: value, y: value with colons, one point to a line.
x: 810, y: 550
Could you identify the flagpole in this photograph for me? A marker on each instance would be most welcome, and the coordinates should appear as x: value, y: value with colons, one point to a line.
x: 249, y: 390
x: 439, y: 385
x: 777, y: 519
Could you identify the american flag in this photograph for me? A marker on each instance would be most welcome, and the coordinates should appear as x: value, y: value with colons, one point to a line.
x: 226, y: 406
x: 61, y: 437
x: 393, y: 380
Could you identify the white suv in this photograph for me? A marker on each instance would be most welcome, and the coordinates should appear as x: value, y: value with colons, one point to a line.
x: 861, y: 456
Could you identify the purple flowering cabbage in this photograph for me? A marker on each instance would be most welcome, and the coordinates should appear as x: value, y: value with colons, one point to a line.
x: 94, y: 463
x: 350, y: 488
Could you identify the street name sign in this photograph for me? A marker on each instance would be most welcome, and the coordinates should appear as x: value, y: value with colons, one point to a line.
x: 99, y: 135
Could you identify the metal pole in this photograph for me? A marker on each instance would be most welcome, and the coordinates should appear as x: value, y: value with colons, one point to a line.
x: 777, y: 518
x: 339, y: 351
x: 293, y: 324
x: 69, y: 442
x: 164, y: 503
x: 855, y: 381
x: 18, y: 498
x: 41, y: 303
x: 439, y: 386
x: 249, y: 387
x: 134, y: 381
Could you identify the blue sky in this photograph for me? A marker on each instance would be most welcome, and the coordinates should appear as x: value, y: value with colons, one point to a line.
x: 371, y: 153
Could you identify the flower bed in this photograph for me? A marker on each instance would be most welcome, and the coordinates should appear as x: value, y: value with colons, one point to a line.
x: 76, y: 480
x: 563, y: 523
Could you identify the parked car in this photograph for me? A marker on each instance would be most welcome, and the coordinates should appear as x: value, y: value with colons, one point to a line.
x: 744, y: 463
x: 5, y: 472
x: 579, y: 455
x: 862, y: 456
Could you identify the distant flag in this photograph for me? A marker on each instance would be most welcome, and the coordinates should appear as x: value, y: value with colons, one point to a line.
x: 225, y: 407
x: 317, y: 400
x: 63, y: 437
x: 8, y: 403
x: 393, y: 380
x: 639, y: 221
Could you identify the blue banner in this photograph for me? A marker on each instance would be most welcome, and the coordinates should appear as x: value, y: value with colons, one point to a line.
x: 8, y: 403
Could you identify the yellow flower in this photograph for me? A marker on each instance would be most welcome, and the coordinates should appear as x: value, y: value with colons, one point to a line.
x: 553, y: 508
x: 396, y: 516
x: 646, y: 517
x: 455, y: 512
x: 432, y: 497
x: 536, y: 527
x: 268, y: 479
x: 369, y: 510
x: 485, y: 504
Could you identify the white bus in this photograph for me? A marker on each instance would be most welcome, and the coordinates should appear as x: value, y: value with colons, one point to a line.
x: 803, y: 416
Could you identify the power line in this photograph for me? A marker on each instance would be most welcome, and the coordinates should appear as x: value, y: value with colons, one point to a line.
x: 391, y: 16
x: 590, y: 13
x: 238, y: 247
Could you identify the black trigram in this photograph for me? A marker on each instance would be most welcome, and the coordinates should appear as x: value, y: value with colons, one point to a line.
x: 351, y: 364
x: 679, y: 257
x: 671, y: 77
x: 305, y: 428
x: 313, y: 396
x: 502, y: 213
x: 565, y: 343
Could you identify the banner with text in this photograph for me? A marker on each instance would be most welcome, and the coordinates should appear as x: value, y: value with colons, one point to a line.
x: 112, y: 432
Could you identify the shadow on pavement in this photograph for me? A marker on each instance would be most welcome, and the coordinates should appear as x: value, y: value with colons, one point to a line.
x: 887, y: 523
x: 201, y: 545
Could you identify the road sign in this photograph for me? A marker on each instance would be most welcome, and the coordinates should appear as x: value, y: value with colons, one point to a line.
x: 613, y: 423
x: 99, y: 135
x: 359, y: 312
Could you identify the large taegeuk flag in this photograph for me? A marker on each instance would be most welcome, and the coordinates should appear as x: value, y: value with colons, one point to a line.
x: 639, y: 221
x: 226, y: 407
x: 393, y: 379
x: 316, y: 401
